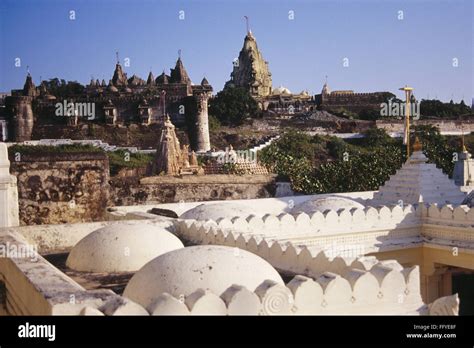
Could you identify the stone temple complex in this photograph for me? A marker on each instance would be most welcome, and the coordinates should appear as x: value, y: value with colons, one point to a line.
x: 397, y: 250
x: 251, y: 71
x: 121, y: 101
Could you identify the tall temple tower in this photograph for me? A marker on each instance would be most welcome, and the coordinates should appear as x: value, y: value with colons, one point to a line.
x: 251, y: 70
x: 20, y: 109
x: 202, y: 141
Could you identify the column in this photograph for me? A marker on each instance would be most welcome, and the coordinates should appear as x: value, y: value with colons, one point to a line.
x: 8, y: 192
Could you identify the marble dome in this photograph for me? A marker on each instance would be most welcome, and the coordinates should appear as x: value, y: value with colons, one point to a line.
x: 327, y: 203
x: 122, y: 247
x: 210, y: 267
x: 215, y: 211
x: 281, y: 90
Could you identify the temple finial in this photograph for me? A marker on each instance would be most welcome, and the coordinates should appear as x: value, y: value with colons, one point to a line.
x: 247, y: 23
x: 179, y: 53
x: 117, y: 56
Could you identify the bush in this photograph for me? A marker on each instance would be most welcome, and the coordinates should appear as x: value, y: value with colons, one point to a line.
x: 45, y: 149
x: 214, y: 124
x: 363, y: 168
x: 123, y: 159
x: 376, y: 137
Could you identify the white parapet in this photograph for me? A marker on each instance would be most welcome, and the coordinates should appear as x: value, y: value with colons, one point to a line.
x: 8, y: 192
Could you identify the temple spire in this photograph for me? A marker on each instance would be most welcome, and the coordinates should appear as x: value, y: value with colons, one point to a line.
x: 179, y: 73
x: 247, y: 24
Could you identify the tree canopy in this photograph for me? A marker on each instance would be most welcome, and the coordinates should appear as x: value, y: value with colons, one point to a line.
x: 232, y: 106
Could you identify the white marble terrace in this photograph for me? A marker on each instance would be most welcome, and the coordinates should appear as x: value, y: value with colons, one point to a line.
x: 292, y: 255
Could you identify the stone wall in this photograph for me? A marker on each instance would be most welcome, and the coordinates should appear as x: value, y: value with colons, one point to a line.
x: 163, y: 189
x: 61, y: 187
x: 444, y: 125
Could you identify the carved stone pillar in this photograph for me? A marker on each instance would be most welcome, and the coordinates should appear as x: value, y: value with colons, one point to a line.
x: 8, y: 192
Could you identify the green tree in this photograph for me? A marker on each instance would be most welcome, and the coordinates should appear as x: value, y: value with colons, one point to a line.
x: 63, y: 89
x: 232, y: 106
x: 376, y: 137
x: 436, y: 147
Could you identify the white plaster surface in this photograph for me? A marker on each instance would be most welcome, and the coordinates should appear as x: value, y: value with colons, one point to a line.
x: 418, y: 181
x: 209, y: 267
x: 328, y: 203
x: 121, y: 247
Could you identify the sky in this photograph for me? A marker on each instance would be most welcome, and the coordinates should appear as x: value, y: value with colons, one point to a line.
x: 363, y: 45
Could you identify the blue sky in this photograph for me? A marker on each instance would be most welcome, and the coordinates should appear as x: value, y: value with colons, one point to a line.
x: 384, y: 53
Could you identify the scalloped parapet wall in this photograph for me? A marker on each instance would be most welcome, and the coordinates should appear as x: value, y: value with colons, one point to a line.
x: 448, y: 225
x: 382, y: 290
x: 286, y: 257
x: 321, y: 223
x: 447, y: 215
x: 371, y: 224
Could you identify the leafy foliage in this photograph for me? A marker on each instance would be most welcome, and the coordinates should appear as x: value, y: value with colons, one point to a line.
x: 436, y: 147
x: 123, y: 159
x: 214, y: 124
x: 45, y: 149
x: 437, y: 108
x: 63, y: 89
x: 350, y: 168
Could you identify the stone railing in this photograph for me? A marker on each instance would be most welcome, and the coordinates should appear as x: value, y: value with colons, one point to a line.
x: 459, y: 216
x: 448, y: 225
x: 32, y: 286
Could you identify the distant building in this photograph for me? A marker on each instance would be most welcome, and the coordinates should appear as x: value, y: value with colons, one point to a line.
x: 252, y: 72
x: 350, y: 100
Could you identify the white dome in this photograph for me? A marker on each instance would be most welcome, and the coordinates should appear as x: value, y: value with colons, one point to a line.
x: 210, y: 267
x: 323, y: 204
x: 123, y: 247
x: 215, y: 211
x: 281, y: 90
